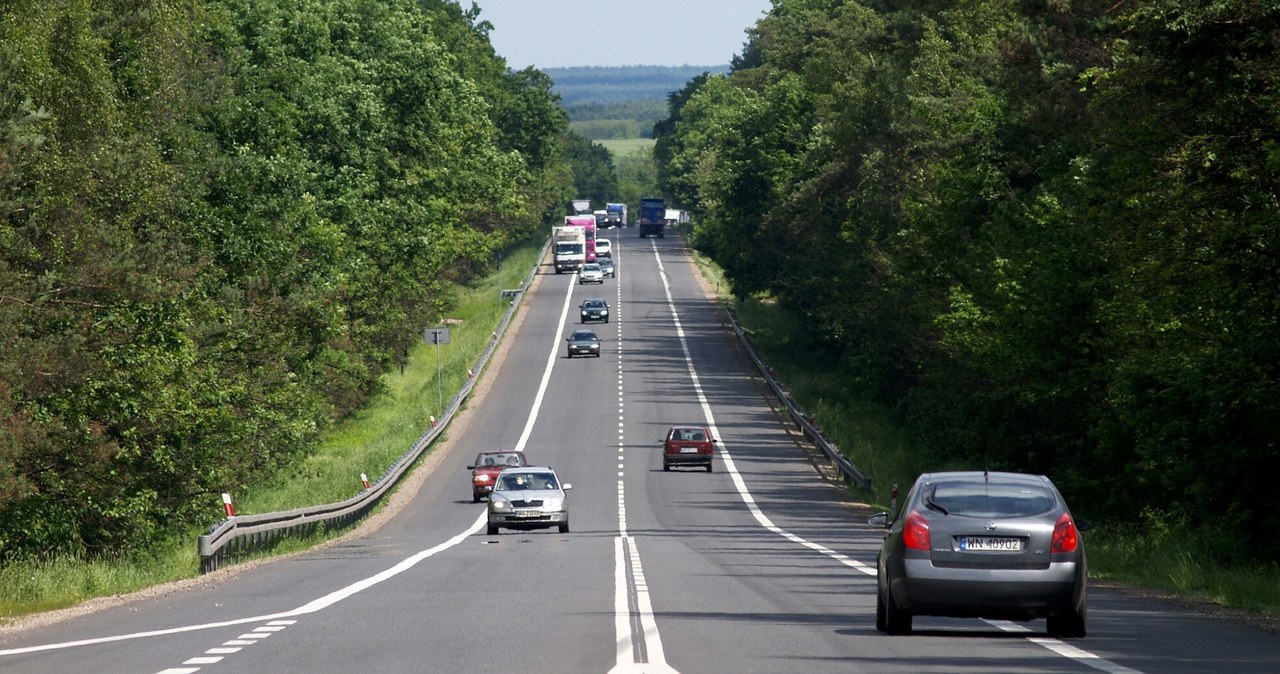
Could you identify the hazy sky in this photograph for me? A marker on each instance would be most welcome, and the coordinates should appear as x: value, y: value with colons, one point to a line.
x: 560, y: 33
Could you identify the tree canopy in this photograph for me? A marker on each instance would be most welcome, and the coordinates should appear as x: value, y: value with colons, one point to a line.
x: 220, y: 222
x: 1044, y: 232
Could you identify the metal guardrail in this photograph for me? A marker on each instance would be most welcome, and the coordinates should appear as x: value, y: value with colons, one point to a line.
x: 237, y: 536
x: 802, y: 420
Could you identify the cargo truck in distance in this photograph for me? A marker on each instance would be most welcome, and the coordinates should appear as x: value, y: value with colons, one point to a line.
x: 653, y: 213
x: 580, y: 207
x: 569, y: 248
x: 615, y: 215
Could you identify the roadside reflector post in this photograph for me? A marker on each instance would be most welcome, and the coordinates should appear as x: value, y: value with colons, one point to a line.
x: 364, y: 480
x: 227, y: 507
x: 433, y: 422
x: 893, y: 498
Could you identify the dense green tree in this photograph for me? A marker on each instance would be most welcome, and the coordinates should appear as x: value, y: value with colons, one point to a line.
x: 1042, y: 232
x: 220, y: 222
x: 594, y: 176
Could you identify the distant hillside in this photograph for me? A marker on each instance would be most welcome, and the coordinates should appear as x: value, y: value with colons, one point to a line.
x: 620, y: 102
x: 624, y: 83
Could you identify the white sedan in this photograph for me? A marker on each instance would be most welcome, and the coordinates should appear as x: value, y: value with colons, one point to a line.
x: 591, y: 273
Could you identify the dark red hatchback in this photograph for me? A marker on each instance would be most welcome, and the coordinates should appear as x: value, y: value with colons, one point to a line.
x: 687, y: 446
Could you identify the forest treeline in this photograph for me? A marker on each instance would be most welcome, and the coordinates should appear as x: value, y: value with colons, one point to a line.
x: 222, y: 220
x: 1047, y: 234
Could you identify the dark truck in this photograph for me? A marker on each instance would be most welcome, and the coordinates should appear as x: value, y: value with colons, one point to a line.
x: 653, y: 214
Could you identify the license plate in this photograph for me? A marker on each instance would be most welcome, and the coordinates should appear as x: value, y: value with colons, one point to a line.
x: 688, y: 450
x: 990, y: 544
x: 527, y: 514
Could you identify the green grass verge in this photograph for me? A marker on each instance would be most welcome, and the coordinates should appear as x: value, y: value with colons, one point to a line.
x: 621, y: 147
x: 1155, y: 554
x: 369, y: 442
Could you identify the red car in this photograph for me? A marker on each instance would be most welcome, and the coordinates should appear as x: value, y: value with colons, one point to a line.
x: 486, y: 469
x: 687, y: 446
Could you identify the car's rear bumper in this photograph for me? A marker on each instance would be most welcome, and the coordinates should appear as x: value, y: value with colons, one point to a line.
x: 686, y: 459
x: 924, y: 589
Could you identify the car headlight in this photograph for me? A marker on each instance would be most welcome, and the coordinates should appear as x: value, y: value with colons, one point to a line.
x: 482, y: 478
x: 604, y: 312
x: 498, y: 504
x: 553, y: 504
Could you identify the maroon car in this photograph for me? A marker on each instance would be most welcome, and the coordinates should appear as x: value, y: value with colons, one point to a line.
x: 687, y: 446
x: 487, y: 467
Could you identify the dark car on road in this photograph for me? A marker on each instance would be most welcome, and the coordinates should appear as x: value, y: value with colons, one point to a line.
x: 608, y: 266
x: 687, y: 446
x: 982, y: 545
x: 594, y: 309
x: 486, y: 468
x: 584, y: 343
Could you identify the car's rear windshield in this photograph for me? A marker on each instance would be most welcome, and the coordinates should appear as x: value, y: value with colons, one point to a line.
x: 984, y: 499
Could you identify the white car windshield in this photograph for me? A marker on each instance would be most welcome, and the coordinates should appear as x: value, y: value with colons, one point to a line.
x: 524, y: 481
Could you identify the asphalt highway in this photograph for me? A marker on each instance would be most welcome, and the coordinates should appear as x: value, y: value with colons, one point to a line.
x: 762, y: 565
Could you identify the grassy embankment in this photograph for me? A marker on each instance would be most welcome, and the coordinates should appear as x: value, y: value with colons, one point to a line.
x: 369, y: 443
x: 621, y: 147
x: 1154, y: 555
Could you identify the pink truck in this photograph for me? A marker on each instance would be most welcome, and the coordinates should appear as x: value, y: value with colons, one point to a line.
x: 588, y: 223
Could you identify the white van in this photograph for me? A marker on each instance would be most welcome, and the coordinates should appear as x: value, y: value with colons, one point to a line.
x: 604, y: 248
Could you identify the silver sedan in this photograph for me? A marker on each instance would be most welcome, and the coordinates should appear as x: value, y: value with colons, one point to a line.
x: 528, y: 498
x: 982, y: 545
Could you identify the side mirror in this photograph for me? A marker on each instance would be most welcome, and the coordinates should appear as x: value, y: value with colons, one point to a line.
x: 879, y: 520
x: 566, y: 487
x: 471, y: 467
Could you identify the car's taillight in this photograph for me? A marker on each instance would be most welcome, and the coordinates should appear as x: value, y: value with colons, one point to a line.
x: 915, y: 534
x: 1065, y: 536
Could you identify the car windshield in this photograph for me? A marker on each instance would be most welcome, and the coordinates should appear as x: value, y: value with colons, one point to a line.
x: 584, y: 336
x: 593, y: 304
x: 591, y: 267
x: 499, y: 460
x: 523, y: 481
x: 986, y: 499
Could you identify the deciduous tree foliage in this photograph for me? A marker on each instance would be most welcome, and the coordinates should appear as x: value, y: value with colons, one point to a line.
x: 220, y: 222
x: 1045, y: 232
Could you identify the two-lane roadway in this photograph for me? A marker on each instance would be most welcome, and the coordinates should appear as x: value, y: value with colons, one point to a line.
x: 758, y: 566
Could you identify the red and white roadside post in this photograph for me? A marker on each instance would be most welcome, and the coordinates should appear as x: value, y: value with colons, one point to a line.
x: 364, y: 480
x: 227, y: 507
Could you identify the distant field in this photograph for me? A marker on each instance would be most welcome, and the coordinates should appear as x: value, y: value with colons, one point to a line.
x: 621, y: 147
